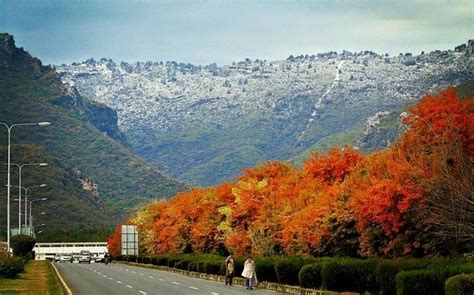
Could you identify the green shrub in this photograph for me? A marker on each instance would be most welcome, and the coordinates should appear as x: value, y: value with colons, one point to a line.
x: 131, y: 258
x: 172, y: 261
x: 419, y: 282
x: 265, y: 267
x: 153, y: 260
x: 192, y: 266
x: 429, y: 281
x: 213, y: 267
x: 460, y: 285
x: 146, y: 259
x: 239, y: 266
x: 162, y: 260
x: 288, y: 268
x: 350, y: 275
x: 200, y: 266
x: 11, y: 267
x: 310, y: 276
x: 386, y: 271
x: 22, y: 245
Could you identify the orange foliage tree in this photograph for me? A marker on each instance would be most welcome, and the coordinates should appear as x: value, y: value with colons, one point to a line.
x: 339, y: 203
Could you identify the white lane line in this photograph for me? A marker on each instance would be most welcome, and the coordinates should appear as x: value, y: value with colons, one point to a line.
x: 134, y: 272
x: 214, y: 293
x: 104, y: 276
x: 143, y: 292
x: 111, y: 279
x: 150, y: 277
x: 99, y: 273
x: 162, y: 280
x: 128, y: 286
x: 119, y: 282
x: 176, y: 283
x: 142, y: 275
x: 125, y: 270
x: 194, y: 288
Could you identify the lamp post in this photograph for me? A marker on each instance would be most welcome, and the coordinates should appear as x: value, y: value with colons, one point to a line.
x: 26, y: 200
x: 19, y: 187
x: 9, y: 129
x: 42, y: 213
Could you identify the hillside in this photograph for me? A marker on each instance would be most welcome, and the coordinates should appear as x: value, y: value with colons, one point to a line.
x: 93, y: 180
x: 204, y: 124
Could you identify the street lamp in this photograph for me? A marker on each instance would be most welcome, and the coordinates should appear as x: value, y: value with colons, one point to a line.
x: 42, y: 213
x: 9, y: 129
x: 19, y: 187
x: 26, y: 200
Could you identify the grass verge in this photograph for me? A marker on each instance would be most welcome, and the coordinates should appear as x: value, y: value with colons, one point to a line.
x: 38, y: 278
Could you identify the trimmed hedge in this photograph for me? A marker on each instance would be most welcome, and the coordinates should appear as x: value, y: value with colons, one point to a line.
x: 288, y: 268
x: 265, y: 267
x: 429, y: 281
x: 386, y: 271
x: 310, y: 276
x: 460, y: 285
x: 11, y: 267
x: 350, y: 275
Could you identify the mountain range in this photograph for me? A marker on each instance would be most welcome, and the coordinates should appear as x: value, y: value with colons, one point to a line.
x: 204, y: 124
x: 93, y: 179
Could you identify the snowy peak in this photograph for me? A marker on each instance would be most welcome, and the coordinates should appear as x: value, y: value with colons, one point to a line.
x: 268, y: 109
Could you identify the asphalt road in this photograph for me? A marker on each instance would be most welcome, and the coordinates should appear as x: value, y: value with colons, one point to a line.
x: 98, y: 279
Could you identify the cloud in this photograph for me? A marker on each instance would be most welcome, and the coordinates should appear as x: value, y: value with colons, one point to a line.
x: 225, y: 31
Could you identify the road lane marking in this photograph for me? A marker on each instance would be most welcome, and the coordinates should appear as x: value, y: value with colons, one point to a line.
x: 214, y: 293
x: 111, y: 279
x: 119, y: 282
x: 128, y: 286
x: 68, y: 291
x: 99, y: 273
x: 142, y: 274
x: 104, y: 276
x: 150, y: 277
x: 176, y: 283
x: 194, y: 288
x: 162, y: 280
x: 134, y: 272
x: 143, y: 292
x: 126, y: 270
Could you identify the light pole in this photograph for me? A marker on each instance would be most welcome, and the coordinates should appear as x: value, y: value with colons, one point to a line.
x: 26, y: 200
x: 42, y: 213
x: 9, y: 129
x: 19, y: 188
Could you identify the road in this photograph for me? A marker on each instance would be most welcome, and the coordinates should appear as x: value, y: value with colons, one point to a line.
x: 97, y: 278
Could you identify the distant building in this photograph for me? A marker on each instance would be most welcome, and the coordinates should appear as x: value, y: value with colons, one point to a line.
x: 47, y: 251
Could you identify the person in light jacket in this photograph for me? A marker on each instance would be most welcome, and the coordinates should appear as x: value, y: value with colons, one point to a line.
x: 229, y: 270
x: 249, y: 273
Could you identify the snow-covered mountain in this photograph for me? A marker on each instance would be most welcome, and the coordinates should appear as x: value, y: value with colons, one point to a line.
x: 205, y: 123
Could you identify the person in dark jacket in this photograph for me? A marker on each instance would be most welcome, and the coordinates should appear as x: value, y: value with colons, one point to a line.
x: 229, y: 270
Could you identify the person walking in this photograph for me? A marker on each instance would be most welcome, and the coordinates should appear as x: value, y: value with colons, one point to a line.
x: 249, y: 273
x: 229, y: 270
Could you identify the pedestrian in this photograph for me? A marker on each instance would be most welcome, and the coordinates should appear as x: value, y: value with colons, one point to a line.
x: 229, y: 270
x: 249, y: 273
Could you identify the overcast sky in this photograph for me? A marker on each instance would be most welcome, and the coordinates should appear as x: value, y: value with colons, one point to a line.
x: 202, y: 32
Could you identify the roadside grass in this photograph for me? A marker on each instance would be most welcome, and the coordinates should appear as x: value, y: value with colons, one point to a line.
x: 37, y: 279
